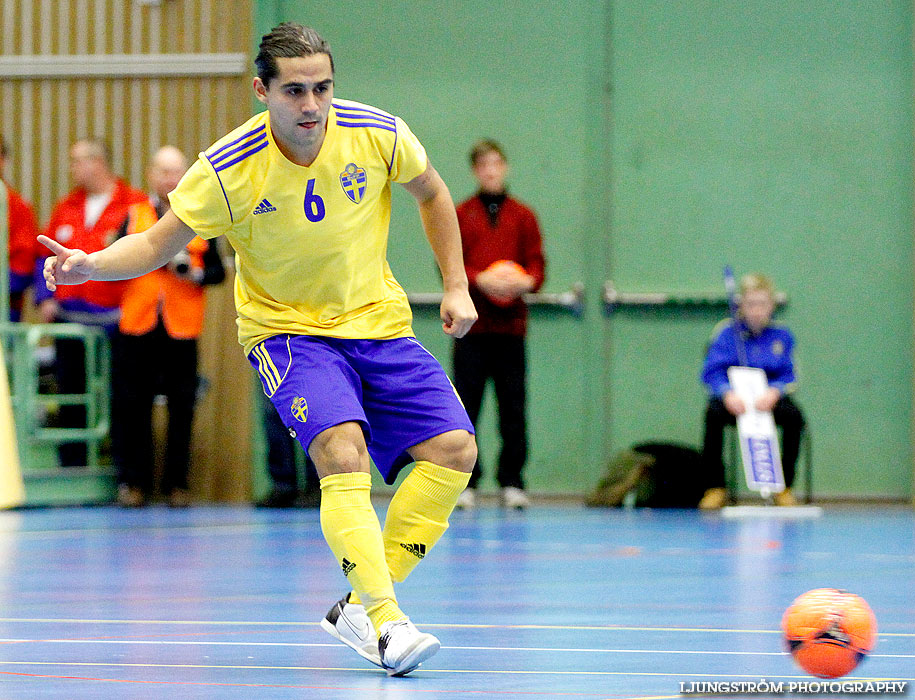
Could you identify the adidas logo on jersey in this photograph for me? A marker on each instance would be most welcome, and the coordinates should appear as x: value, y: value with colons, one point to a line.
x: 265, y: 207
x: 347, y: 566
x: 417, y: 550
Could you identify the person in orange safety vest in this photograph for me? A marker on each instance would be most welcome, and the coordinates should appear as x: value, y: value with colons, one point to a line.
x: 161, y: 320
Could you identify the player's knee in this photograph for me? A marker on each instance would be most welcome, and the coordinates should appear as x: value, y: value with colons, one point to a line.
x: 455, y: 449
x: 469, y: 456
x: 339, y: 449
x: 459, y: 450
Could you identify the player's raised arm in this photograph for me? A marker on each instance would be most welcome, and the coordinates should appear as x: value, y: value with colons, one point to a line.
x: 128, y: 257
x: 436, y: 209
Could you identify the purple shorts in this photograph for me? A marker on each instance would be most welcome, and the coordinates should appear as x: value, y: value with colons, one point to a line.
x: 395, y: 389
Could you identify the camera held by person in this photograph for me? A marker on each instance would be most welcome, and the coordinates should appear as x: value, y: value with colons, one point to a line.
x: 182, y: 266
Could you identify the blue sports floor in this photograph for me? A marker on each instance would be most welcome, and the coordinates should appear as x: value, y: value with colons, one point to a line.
x: 556, y: 602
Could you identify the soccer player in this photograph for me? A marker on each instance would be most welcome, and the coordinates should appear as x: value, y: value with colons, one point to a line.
x: 302, y: 192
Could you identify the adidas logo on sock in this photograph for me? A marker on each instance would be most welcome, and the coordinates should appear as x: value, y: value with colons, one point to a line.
x: 347, y: 566
x: 265, y: 207
x: 417, y: 550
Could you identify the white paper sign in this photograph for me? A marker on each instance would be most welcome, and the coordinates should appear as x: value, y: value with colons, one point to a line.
x: 762, y: 462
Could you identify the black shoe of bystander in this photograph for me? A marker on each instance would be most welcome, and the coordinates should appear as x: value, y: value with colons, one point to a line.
x: 279, y: 497
x: 309, y: 498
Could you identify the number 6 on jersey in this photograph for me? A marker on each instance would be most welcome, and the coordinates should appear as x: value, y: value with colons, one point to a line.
x: 314, y: 205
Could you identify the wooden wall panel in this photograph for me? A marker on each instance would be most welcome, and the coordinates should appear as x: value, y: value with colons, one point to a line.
x: 41, y: 116
x: 120, y: 109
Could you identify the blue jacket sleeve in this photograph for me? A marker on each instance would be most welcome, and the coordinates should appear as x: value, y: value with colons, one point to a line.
x: 722, y: 353
x: 781, y: 375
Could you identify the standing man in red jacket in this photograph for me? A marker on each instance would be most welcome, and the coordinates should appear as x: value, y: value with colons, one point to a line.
x: 22, y: 229
x: 89, y: 218
x: 503, y: 255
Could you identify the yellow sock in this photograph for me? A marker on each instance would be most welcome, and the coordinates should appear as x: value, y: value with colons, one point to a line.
x: 351, y: 528
x: 418, y: 515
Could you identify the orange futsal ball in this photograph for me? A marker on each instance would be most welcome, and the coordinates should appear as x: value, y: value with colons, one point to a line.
x: 505, y: 301
x: 511, y: 263
x: 829, y: 631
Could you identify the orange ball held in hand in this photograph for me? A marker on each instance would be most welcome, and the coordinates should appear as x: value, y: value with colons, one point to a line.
x: 508, y: 263
x: 515, y: 267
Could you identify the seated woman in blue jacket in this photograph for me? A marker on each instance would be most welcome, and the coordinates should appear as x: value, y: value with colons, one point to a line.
x: 769, y: 346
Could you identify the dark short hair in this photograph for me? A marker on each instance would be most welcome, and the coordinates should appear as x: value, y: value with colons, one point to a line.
x: 484, y: 146
x: 288, y: 40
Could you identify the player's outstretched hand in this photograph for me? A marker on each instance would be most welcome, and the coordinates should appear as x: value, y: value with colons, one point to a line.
x: 66, y: 266
x: 458, y: 313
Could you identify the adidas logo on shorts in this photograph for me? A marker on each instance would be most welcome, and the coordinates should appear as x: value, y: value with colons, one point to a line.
x: 347, y: 566
x: 265, y: 207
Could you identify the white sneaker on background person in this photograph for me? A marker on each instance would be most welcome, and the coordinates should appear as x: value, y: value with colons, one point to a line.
x: 513, y: 497
x: 467, y: 500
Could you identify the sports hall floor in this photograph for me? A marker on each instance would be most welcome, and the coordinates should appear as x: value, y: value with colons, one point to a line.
x: 555, y: 602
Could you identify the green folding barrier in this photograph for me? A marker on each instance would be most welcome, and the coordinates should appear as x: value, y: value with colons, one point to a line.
x: 46, y: 482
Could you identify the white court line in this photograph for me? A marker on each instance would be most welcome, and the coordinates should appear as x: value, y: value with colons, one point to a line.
x: 198, y: 642
x: 576, y: 650
x: 437, y: 625
x: 440, y: 625
x: 252, y: 667
x: 211, y: 529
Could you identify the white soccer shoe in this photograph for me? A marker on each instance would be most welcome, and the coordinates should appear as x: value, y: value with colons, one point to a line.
x: 348, y: 623
x: 513, y: 497
x: 403, y: 647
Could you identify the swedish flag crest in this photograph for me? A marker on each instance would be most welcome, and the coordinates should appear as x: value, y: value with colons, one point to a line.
x: 353, y: 180
x: 299, y: 409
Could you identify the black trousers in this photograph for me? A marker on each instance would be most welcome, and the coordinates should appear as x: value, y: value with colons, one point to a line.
x: 281, y: 452
x: 143, y: 367
x: 787, y: 415
x: 502, y: 358
x: 70, y: 373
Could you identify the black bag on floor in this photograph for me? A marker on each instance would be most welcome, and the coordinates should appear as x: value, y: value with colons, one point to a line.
x: 663, y: 475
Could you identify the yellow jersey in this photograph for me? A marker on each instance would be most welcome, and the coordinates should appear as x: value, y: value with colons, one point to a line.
x: 310, y: 242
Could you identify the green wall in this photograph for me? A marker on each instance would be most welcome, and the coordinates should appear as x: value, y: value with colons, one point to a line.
x: 658, y: 141
x: 777, y: 137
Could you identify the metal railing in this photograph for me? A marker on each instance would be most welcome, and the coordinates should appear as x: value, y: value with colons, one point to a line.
x: 613, y: 299
x: 572, y: 301
x: 22, y: 342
